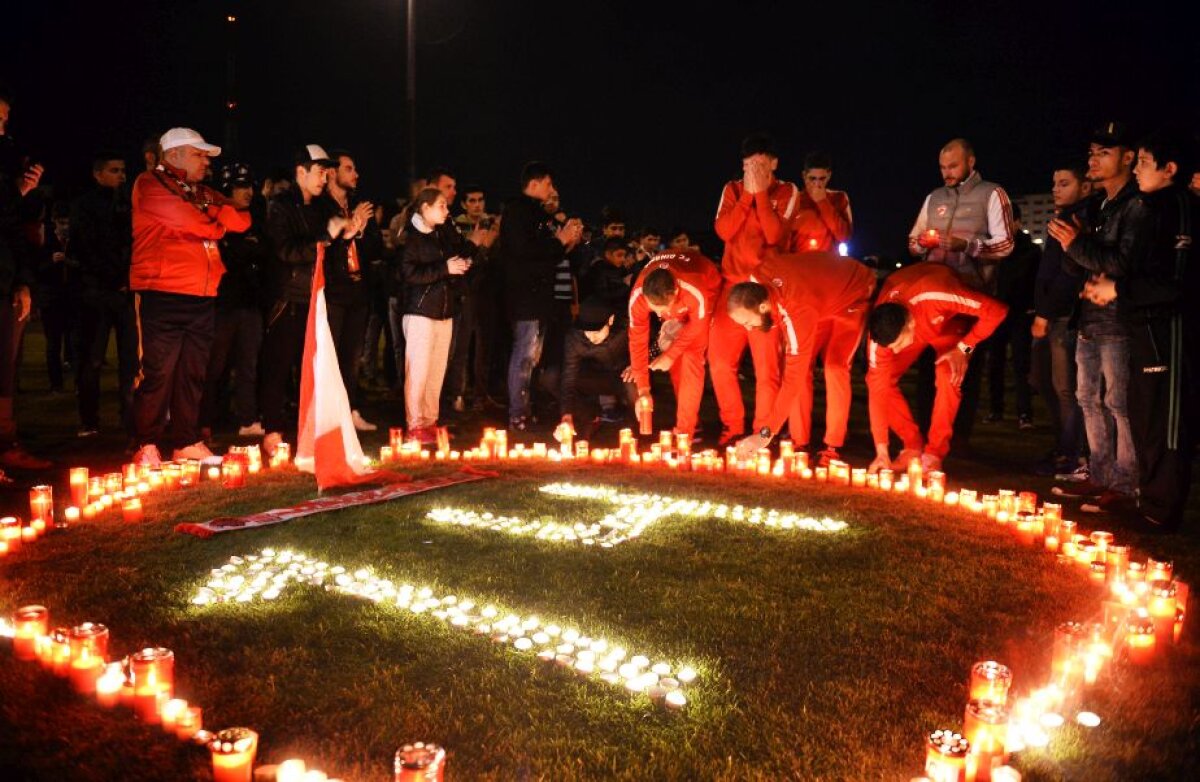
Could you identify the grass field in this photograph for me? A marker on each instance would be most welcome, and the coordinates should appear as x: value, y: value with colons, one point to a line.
x: 821, y: 655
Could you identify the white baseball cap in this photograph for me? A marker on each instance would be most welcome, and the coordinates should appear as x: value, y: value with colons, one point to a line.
x: 186, y: 137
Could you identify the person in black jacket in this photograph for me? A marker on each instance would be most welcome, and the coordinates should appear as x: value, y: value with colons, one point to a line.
x: 1014, y: 286
x: 346, y: 260
x: 610, y: 278
x: 57, y: 293
x: 1153, y: 298
x: 529, y: 250
x: 437, y: 259
x: 595, y: 353
x: 1055, y: 295
x: 296, y: 225
x: 1115, y: 234
x: 102, y: 239
x: 238, y: 334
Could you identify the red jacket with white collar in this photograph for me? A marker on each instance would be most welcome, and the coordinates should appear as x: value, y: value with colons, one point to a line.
x: 699, y: 282
x: 752, y: 223
x: 934, y: 294
x: 175, y: 233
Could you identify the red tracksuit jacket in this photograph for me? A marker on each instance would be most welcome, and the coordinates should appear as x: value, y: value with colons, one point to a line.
x: 699, y: 283
x: 804, y: 290
x: 750, y: 223
x: 820, y: 225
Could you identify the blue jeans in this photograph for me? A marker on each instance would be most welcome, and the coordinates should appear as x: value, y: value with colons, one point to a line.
x: 528, y: 336
x: 1102, y: 387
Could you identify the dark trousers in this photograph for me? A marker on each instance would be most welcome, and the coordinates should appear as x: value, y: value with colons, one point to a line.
x: 236, y: 344
x: 11, y: 331
x: 58, y: 321
x: 1014, y: 333
x: 175, y: 334
x: 964, y: 419
x: 378, y: 323
x: 470, y: 347
x: 593, y: 382
x: 348, y: 325
x: 283, y: 347
x: 100, y: 313
x: 1053, y: 374
x: 1161, y: 417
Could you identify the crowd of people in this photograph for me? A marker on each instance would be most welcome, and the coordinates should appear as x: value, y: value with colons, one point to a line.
x: 205, y: 276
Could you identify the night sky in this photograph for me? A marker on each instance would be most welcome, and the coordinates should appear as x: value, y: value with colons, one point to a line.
x: 636, y: 105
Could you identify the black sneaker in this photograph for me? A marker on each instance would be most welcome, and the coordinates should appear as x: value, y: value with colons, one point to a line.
x: 1024, y: 422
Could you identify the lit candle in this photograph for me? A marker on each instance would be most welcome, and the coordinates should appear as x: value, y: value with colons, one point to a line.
x: 71, y: 514
x: 41, y: 505
x: 1115, y: 563
x: 946, y: 756
x: 108, y: 686
x: 214, y: 473
x: 60, y: 652
x: 131, y: 510
x: 10, y: 533
x: 1161, y: 607
x: 644, y: 409
x: 396, y: 437
x: 170, y: 713
x: 233, y: 470
x: 420, y: 761
x: 990, y: 681
x: 233, y: 751
x: 85, y: 671
x: 95, y: 487
x: 1159, y: 570
x: 1068, y: 640
x: 153, y: 674
x: 189, y: 722
x: 985, y: 727
x: 1139, y: 637
x: 885, y: 479
x: 858, y: 477
x: 112, y: 483
x: 29, y: 623
x: 79, y: 486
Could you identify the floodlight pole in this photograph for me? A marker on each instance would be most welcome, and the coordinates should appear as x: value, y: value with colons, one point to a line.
x: 410, y: 101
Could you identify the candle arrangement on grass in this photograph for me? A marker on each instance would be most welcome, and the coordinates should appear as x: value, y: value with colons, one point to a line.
x: 264, y: 576
x: 632, y: 515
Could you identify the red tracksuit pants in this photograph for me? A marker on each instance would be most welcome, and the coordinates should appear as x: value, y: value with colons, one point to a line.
x: 889, y: 409
x: 836, y: 339
x: 726, y: 343
x: 687, y: 378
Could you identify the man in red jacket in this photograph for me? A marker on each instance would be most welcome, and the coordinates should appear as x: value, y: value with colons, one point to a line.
x: 753, y: 216
x: 814, y: 303
x: 681, y: 289
x: 924, y: 305
x: 822, y: 218
x: 174, y: 274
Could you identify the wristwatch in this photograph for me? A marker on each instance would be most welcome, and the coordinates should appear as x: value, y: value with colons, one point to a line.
x: 966, y: 349
x: 765, y: 433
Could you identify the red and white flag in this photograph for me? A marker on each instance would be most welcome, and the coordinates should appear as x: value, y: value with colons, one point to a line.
x: 328, y: 443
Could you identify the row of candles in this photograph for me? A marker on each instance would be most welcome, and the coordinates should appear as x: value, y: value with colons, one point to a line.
x: 144, y: 683
x: 90, y: 496
x: 265, y: 575
x: 633, y: 514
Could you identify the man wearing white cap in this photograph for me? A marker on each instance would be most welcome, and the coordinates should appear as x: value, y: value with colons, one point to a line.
x: 174, y: 273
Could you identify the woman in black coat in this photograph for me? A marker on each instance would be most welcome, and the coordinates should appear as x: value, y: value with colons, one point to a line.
x: 437, y: 260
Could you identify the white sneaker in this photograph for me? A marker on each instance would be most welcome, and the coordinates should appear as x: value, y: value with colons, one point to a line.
x: 253, y: 430
x: 459, y: 404
x: 360, y: 423
x: 148, y: 455
x: 197, y: 451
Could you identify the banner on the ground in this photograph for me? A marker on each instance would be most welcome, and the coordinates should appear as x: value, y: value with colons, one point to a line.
x: 329, y: 503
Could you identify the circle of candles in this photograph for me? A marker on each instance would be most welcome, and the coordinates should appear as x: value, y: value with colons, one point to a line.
x: 990, y: 681
x: 946, y: 756
x: 420, y: 761
x: 233, y: 751
x: 30, y: 623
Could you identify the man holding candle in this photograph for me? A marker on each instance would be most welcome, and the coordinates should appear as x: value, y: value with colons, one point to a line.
x: 967, y: 225
x: 754, y: 214
x: 819, y: 301
x: 680, y: 288
x: 923, y: 305
x: 822, y: 217
x: 174, y: 274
